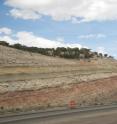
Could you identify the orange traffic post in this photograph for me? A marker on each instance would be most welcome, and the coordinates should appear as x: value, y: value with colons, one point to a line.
x: 72, y: 104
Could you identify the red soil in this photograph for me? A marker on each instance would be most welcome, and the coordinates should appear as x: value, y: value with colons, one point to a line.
x: 86, y: 93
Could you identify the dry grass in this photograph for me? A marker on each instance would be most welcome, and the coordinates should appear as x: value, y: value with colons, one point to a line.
x: 48, y: 69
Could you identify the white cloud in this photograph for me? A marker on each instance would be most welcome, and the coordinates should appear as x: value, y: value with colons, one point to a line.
x: 101, y: 50
x: 5, y: 30
x: 90, y: 36
x: 101, y: 35
x: 24, y: 14
x: 75, y: 10
x: 60, y: 39
x: 8, y: 39
x: 29, y: 39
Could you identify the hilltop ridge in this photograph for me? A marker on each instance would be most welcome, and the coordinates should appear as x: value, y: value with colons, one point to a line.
x: 19, y: 55
x: 14, y: 57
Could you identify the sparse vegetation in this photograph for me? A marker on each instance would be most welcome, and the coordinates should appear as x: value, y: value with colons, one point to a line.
x: 69, y: 53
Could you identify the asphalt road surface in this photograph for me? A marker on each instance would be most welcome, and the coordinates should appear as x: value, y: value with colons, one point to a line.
x: 95, y: 115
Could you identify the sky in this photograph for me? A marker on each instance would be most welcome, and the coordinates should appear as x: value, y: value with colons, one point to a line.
x: 60, y: 23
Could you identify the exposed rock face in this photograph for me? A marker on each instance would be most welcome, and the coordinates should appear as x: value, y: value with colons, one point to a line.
x: 91, y: 93
x: 38, y: 84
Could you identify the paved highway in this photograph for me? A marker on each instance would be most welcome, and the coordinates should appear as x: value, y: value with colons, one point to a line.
x: 94, y: 115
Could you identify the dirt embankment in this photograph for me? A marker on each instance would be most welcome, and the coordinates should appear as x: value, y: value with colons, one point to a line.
x: 30, y: 80
x: 101, y: 91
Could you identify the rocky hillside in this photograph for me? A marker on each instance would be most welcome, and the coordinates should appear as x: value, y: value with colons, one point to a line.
x: 32, y: 81
x: 13, y: 57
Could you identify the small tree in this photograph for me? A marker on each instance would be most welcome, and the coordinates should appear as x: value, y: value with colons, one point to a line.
x: 100, y: 55
x: 105, y: 55
x: 4, y: 43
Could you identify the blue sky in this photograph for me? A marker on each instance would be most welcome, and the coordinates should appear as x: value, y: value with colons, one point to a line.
x: 36, y: 24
